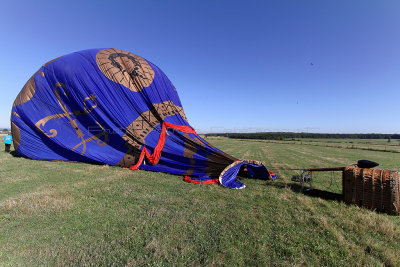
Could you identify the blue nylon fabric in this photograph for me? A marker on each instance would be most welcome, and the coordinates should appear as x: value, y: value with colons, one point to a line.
x: 256, y: 171
x: 81, y: 108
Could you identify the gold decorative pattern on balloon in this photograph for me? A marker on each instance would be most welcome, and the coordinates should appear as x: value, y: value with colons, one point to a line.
x: 189, y: 150
x: 72, y: 121
x: 94, y: 137
x: 16, y: 114
x: 125, y: 68
x: 51, y: 61
x: 16, y: 135
x: 137, y: 131
x: 27, y: 92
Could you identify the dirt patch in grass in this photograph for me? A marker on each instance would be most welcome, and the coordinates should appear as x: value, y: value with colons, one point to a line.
x: 378, y: 223
x: 15, y: 178
x: 45, y: 201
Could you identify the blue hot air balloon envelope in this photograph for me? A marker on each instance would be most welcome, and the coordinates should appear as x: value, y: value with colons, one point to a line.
x: 113, y: 107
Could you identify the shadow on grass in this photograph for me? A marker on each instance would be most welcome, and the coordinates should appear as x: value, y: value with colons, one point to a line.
x: 15, y: 154
x: 308, y: 192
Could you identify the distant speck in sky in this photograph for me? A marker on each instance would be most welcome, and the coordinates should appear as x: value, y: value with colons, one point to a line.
x: 225, y: 69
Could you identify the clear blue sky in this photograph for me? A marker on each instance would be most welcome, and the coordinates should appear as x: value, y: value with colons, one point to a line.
x: 237, y: 65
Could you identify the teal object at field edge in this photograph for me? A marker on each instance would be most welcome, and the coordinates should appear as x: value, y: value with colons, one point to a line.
x: 8, y: 139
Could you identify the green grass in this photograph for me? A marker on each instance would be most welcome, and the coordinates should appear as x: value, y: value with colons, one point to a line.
x: 380, y: 145
x: 60, y: 213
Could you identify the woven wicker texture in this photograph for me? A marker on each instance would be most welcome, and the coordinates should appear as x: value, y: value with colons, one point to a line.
x: 372, y: 188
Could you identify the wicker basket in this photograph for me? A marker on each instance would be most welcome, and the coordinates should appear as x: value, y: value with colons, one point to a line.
x: 372, y: 188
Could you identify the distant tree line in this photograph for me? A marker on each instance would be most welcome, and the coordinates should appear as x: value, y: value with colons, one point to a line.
x: 291, y: 136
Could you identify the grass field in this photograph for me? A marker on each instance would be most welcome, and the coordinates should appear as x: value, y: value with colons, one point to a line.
x: 361, y: 144
x: 60, y: 213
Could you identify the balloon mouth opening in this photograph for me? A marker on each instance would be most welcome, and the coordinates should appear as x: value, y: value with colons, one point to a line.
x: 246, y: 169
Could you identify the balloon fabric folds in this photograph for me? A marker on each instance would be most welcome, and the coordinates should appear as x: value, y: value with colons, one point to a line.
x: 113, y: 107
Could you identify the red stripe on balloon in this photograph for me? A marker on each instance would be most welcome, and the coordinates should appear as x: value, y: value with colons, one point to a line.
x: 155, y: 157
x: 210, y: 181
